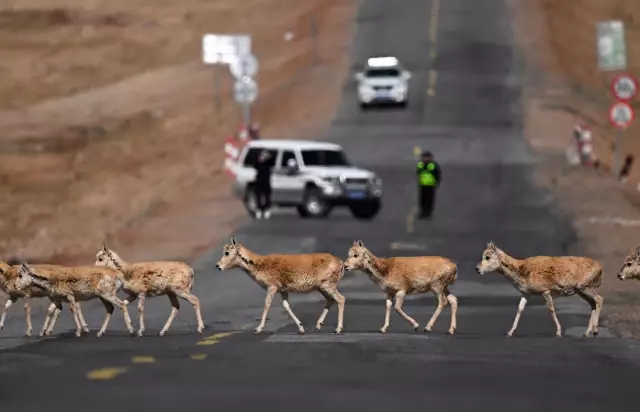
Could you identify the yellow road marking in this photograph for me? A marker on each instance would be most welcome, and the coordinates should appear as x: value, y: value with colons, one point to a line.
x: 213, y: 339
x: 207, y: 342
x: 105, y: 373
x: 433, y: 77
x: 199, y: 356
x: 143, y: 359
x: 433, y: 29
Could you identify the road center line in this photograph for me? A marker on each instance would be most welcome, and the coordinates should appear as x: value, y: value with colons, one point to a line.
x: 105, y: 373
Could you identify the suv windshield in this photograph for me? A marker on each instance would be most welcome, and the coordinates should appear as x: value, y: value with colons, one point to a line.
x: 391, y: 72
x: 324, y: 158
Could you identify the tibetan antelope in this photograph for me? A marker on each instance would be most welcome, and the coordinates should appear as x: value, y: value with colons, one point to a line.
x: 401, y: 276
x: 8, y: 278
x: 548, y: 276
x: 75, y: 284
x: 631, y: 266
x: 289, y: 273
x: 148, y: 279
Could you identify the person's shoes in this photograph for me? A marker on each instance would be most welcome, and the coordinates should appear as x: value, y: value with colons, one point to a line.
x: 259, y: 215
x: 267, y: 214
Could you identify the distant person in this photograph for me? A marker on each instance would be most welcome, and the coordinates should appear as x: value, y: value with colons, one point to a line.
x: 429, y: 176
x: 263, y: 185
x: 254, y: 131
x: 626, y: 168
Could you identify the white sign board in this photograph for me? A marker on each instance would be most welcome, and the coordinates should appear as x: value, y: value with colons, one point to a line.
x: 224, y: 48
x: 612, y: 53
x: 624, y: 87
x: 621, y: 114
x: 244, y: 66
x: 245, y: 90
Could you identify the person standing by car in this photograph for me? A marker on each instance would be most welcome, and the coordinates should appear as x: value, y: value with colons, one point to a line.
x: 263, y: 185
x: 429, y: 176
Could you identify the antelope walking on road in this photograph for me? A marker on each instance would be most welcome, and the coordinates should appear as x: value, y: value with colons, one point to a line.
x: 289, y: 273
x: 401, y: 276
x: 548, y: 276
x: 173, y: 279
x: 631, y: 266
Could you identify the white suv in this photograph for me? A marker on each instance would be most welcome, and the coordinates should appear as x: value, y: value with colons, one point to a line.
x: 310, y: 176
x: 383, y: 80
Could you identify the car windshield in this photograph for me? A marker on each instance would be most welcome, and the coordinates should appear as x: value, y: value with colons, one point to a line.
x: 324, y: 158
x: 390, y: 72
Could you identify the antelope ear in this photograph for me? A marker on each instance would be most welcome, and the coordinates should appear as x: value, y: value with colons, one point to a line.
x: 104, y: 246
x: 233, y: 241
x: 24, y: 265
x: 638, y: 251
x: 491, y: 246
x: 360, y: 243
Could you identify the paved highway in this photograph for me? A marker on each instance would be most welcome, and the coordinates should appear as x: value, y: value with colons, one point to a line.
x: 464, y: 107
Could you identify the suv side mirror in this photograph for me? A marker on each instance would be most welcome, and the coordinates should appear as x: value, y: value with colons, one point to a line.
x: 292, y: 167
x: 359, y: 76
x: 406, y: 75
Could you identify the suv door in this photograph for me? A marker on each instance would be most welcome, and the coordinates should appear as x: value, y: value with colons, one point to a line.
x: 287, y: 188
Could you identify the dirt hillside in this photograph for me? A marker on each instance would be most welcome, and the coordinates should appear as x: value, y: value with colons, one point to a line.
x: 111, y: 128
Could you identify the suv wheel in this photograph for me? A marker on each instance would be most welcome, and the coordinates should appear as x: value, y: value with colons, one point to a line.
x: 313, y: 204
x: 251, y: 201
x: 365, y: 210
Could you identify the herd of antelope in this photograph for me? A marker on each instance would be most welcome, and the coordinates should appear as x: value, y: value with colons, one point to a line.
x: 301, y: 273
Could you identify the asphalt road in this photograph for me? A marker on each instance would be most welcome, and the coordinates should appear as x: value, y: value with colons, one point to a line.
x: 464, y: 107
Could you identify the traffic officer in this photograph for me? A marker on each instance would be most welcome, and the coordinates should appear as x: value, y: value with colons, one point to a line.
x: 429, y: 176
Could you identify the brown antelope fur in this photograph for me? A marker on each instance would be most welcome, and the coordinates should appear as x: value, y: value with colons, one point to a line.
x: 401, y: 276
x: 148, y: 279
x: 8, y: 278
x: 548, y: 276
x: 75, y: 284
x: 289, y: 273
x: 631, y: 266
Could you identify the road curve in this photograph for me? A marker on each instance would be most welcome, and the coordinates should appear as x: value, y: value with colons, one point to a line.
x: 464, y: 106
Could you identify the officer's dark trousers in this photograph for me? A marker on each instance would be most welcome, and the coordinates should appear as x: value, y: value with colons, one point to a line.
x: 263, y: 194
x: 427, y: 200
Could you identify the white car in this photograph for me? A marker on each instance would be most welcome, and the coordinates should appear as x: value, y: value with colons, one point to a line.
x: 310, y: 176
x: 383, y: 81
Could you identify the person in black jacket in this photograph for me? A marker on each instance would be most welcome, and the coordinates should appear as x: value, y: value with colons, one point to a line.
x: 263, y: 185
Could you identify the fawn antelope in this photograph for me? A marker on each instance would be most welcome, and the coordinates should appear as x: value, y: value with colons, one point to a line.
x: 74, y: 284
x: 8, y: 278
x: 631, y: 266
x: 147, y: 279
x: 401, y: 276
x: 289, y: 273
x: 548, y: 276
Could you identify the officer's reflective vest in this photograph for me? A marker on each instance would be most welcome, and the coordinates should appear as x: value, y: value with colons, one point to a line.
x: 425, y: 175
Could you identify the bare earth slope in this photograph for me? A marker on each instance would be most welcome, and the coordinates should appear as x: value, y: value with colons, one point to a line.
x: 110, y: 128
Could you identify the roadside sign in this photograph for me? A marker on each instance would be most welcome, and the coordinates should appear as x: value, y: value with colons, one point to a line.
x: 612, y: 54
x: 624, y: 87
x: 621, y: 115
x: 245, y: 90
x: 243, y: 66
x: 224, y: 48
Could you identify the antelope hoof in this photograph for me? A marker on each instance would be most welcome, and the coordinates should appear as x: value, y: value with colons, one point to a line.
x: 28, y: 334
x: 415, y: 328
x: 200, y: 329
x: 257, y: 330
x: 162, y: 333
x: 384, y: 329
x: 141, y: 332
x: 338, y: 331
x: 452, y: 331
x: 427, y: 328
x: 596, y: 331
x: 558, y: 334
x: 99, y: 334
x: 510, y: 334
x: 301, y: 331
x: 319, y: 326
x: 78, y: 334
